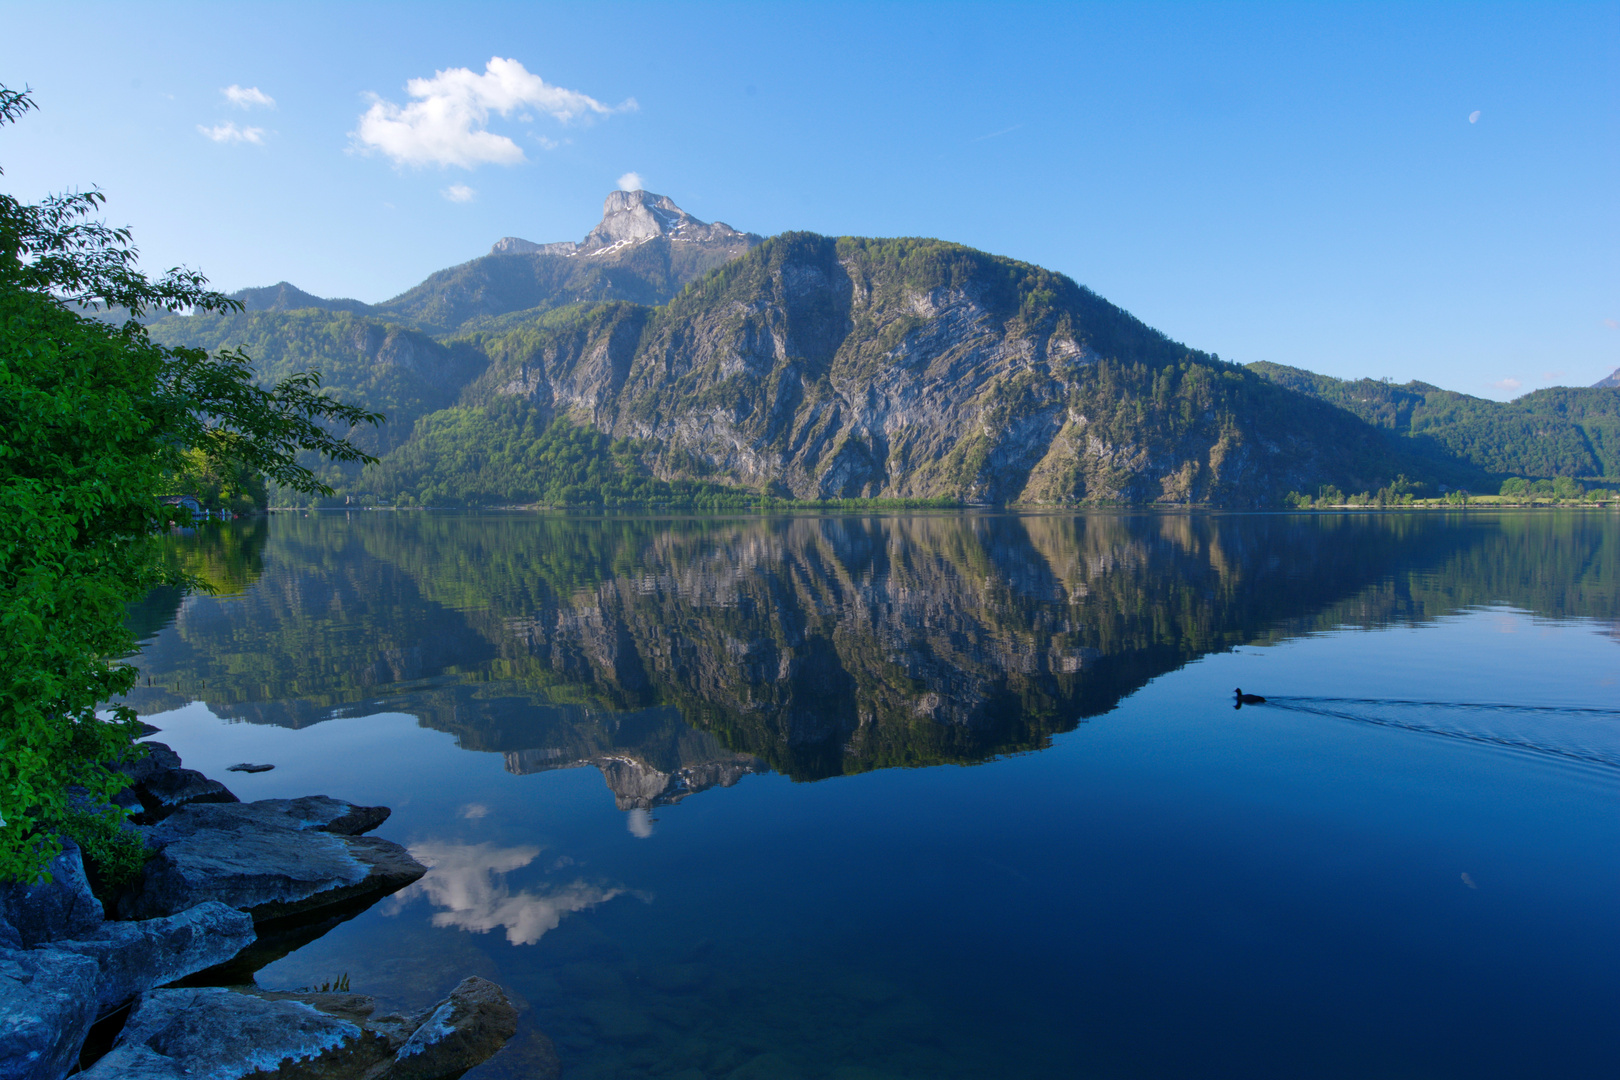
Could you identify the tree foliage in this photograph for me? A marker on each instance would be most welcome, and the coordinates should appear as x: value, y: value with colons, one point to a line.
x: 99, y: 421
x: 1559, y: 431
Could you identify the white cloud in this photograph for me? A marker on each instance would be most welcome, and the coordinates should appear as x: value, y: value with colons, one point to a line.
x: 1473, y: 117
x: 473, y: 811
x: 459, y: 193
x: 1611, y: 324
x: 631, y: 182
x: 467, y: 882
x: 228, y: 132
x: 446, y: 124
x: 246, y: 97
x: 1508, y: 385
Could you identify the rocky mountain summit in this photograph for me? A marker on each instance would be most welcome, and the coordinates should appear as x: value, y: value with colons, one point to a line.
x: 630, y: 218
x: 1610, y: 381
x: 643, y: 250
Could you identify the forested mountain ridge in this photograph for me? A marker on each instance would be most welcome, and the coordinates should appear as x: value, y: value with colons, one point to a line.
x: 859, y: 368
x: 1559, y: 431
x: 664, y: 356
x: 399, y: 371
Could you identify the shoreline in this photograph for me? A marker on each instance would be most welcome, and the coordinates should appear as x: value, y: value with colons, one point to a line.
x: 155, y: 975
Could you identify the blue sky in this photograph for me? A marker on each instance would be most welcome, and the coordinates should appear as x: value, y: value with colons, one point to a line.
x: 1294, y: 183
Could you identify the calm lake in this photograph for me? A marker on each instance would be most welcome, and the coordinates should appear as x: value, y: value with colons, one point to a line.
x: 947, y: 795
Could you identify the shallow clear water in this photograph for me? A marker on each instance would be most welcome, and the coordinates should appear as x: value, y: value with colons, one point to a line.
x: 949, y: 795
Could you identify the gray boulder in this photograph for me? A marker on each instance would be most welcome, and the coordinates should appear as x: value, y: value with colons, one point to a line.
x: 272, y: 859
x: 47, y: 1004
x: 167, y: 791
x: 133, y: 957
x: 160, y: 786
x: 158, y: 758
x: 228, y: 1034
x: 64, y: 907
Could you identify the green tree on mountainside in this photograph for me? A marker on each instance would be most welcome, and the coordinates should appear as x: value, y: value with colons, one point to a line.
x: 100, y: 420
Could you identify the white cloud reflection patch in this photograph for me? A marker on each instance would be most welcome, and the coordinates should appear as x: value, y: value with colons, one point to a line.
x: 467, y: 882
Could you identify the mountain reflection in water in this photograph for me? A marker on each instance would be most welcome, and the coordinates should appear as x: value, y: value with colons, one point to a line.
x: 1316, y: 886
x: 677, y: 655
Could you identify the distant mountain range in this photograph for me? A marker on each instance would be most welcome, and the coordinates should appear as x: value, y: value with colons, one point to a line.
x: 643, y: 250
x: 664, y: 358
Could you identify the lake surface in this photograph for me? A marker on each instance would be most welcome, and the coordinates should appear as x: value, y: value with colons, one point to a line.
x: 948, y: 795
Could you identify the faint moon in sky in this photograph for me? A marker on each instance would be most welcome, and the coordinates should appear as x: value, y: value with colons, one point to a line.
x: 1473, y: 117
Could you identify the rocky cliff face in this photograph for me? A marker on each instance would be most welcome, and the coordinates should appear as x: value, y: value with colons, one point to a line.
x: 914, y: 369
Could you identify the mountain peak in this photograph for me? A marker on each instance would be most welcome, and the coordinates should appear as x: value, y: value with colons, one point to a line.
x: 630, y: 218
x: 1612, y: 380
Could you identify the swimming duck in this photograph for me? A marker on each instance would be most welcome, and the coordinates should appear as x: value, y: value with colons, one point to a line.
x: 1242, y: 699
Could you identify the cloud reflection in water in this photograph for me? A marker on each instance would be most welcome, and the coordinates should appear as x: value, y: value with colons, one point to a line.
x: 468, y: 882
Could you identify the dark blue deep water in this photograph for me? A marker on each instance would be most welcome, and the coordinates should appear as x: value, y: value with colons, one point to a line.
x: 867, y: 797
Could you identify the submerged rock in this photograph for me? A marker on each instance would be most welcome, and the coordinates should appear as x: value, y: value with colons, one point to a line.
x: 465, y: 1029
x: 228, y: 1034
x: 272, y: 859
x: 47, y: 1004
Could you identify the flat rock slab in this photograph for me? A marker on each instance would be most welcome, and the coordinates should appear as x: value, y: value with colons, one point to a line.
x: 274, y: 858
x: 133, y: 957
x: 220, y: 1034
x: 227, y: 1034
x: 47, y: 1004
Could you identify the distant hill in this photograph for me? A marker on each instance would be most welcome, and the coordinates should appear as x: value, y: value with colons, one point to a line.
x: 1560, y: 431
x: 286, y: 297
x: 664, y: 358
x: 1610, y: 381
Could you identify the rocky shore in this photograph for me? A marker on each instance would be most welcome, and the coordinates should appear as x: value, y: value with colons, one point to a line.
x: 153, y: 981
